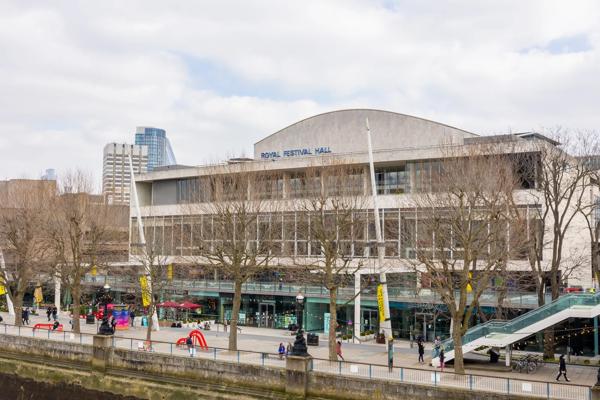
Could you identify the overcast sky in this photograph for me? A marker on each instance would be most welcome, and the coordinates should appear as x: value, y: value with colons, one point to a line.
x: 221, y: 75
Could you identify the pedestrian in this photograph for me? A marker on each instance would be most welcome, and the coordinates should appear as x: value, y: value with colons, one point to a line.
x: 442, y: 359
x: 113, y: 323
x: 23, y: 317
x: 55, y: 313
x: 288, y: 349
x: 27, y: 315
x: 338, y: 350
x: 225, y: 325
x: 132, y: 317
x: 49, y: 312
x: 562, y: 368
x: 421, y: 351
x: 391, y: 354
x: 281, y: 351
x: 190, y: 344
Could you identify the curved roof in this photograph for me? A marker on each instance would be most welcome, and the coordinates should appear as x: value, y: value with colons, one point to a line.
x: 343, y: 131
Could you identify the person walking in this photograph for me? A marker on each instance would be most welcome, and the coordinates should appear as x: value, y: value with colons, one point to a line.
x: 562, y: 368
x: 281, y: 351
x: 27, y: 315
x: 338, y: 350
x: 288, y: 349
x: 132, y: 317
x: 55, y: 313
x: 421, y: 347
x: 442, y: 359
x: 49, y: 312
x: 190, y: 344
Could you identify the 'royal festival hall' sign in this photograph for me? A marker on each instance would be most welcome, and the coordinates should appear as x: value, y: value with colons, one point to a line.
x: 307, y: 151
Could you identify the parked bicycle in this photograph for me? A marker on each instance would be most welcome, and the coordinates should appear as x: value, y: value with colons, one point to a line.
x: 527, y: 364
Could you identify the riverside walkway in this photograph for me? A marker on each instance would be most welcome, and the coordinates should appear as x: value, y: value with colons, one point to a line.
x: 259, y: 345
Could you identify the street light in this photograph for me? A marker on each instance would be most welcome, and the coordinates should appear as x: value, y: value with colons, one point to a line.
x: 105, y: 299
x: 299, y: 348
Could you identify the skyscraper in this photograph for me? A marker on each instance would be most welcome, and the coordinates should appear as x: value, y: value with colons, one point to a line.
x: 116, y: 177
x: 160, y: 152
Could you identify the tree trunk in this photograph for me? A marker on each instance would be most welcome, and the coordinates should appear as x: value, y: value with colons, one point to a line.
x: 333, y: 324
x: 549, y: 343
x: 150, y: 322
x: 235, y: 312
x: 459, y: 364
x: 18, y: 306
x: 75, y: 311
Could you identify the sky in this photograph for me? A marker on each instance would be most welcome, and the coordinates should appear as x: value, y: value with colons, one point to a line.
x: 219, y: 76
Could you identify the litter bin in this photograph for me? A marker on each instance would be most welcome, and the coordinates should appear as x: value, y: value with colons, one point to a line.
x: 144, y: 321
x: 90, y: 319
x: 312, y: 339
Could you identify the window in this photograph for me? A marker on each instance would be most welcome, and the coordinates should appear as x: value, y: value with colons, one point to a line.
x: 392, y: 180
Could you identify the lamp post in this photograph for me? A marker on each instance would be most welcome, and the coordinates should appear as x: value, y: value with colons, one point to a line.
x: 105, y: 299
x: 299, y: 348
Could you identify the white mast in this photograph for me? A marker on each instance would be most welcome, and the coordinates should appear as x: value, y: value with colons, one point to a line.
x: 386, y: 324
x: 138, y: 214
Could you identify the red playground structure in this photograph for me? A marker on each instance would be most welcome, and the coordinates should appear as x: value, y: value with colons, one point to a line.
x: 48, y: 327
x: 197, y: 338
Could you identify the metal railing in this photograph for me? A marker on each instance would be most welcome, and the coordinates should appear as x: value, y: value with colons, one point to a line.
x: 470, y: 382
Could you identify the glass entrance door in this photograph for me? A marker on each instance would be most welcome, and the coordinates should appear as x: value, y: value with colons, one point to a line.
x: 425, y: 325
x: 370, y: 320
x: 266, y: 315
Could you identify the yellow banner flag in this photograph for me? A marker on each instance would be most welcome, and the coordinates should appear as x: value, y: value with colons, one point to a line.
x: 145, y: 291
x: 94, y: 270
x: 37, y: 295
x: 469, y: 287
x: 2, y: 288
x: 170, y: 272
x: 380, y: 303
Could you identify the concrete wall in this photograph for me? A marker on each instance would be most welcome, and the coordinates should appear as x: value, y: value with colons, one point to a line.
x: 340, y: 387
x: 66, y: 351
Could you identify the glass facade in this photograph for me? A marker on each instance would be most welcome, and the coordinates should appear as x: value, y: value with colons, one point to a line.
x: 159, y: 148
x: 290, y: 234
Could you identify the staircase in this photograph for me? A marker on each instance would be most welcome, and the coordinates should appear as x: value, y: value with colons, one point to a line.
x: 496, y: 333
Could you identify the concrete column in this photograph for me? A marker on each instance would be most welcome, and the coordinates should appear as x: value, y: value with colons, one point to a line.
x: 508, y: 356
x: 595, y: 336
x: 357, y: 316
x: 57, y: 292
x: 102, y: 346
x: 297, y: 369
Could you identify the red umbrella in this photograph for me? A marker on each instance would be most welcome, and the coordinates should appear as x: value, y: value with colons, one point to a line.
x: 168, y: 304
x: 189, y: 305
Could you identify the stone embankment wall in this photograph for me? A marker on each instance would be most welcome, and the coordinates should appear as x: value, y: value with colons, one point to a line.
x: 32, y: 368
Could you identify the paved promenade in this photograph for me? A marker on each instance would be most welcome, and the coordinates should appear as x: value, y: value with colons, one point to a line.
x: 267, y: 340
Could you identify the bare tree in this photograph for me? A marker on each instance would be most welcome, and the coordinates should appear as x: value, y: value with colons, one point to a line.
x: 80, y: 229
x: 235, y: 234
x: 22, y: 238
x: 328, y: 218
x: 589, y: 207
x: 460, y: 231
x: 561, y: 178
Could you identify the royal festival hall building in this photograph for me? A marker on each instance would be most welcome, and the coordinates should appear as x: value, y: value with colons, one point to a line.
x: 406, y: 150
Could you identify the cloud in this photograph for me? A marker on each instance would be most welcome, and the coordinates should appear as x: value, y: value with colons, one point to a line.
x: 220, y: 76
